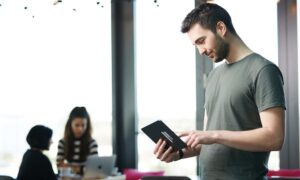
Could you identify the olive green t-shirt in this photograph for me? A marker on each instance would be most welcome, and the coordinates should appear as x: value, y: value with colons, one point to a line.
x: 235, y: 95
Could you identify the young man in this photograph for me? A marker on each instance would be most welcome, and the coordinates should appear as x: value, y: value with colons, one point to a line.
x: 244, y: 103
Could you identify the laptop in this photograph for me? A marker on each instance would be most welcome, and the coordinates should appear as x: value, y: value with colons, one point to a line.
x: 99, y: 166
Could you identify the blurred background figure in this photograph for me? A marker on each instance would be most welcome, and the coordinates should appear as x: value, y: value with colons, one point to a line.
x: 35, y: 165
x: 77, y: 142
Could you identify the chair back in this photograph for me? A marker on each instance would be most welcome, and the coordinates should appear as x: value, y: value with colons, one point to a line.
x: 283, y: 178
x: 165, y: 178
x: 284, y: 174
x: 2, y: 177
x: 134, y: 174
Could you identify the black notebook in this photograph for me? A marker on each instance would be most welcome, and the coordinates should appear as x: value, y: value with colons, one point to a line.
x: 158, y: 129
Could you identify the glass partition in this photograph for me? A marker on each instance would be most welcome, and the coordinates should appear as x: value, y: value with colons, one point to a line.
x: 166, y: 80
x: 53, y: 58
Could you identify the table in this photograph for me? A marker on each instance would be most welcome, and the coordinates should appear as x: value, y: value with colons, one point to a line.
x: 119, y: 177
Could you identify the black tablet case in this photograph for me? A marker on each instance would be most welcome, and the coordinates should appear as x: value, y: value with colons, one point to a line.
x: 158, y: 129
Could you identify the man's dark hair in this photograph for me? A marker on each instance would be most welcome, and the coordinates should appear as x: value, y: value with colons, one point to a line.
x: 207, y: 15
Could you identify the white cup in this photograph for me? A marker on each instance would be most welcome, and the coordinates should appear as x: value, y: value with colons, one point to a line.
x: 65, y: 171
x: 115, y: 171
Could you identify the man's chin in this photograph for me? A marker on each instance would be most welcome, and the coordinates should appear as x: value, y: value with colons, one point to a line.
x: 217, y: 59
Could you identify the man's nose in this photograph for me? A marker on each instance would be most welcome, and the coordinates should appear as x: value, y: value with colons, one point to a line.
x: 202, y: 51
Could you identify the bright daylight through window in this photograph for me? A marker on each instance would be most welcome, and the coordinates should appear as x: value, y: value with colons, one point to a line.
x: 53, y: 58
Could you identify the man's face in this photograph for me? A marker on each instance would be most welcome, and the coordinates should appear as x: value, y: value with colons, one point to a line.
x: 208, y: 43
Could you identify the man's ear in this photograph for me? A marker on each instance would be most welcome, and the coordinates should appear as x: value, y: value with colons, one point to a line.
x: 221, y: 29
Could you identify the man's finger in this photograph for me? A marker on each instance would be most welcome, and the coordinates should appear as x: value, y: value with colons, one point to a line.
x: 158, y: 144
x: 182, y: 134
x: 166, y: 154
x: 170, y: 158
x: 161, y: 150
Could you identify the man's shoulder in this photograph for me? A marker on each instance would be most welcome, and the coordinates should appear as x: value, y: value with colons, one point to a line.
x: 258, y: 61
x: 255, y: 64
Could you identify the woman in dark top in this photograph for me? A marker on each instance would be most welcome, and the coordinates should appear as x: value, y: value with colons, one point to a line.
x: 35, y: 165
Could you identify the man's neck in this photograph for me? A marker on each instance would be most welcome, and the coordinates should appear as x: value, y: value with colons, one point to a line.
x: 237, y: 49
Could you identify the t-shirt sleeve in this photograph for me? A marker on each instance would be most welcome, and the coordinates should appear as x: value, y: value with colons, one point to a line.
x: 269, y: 88
x: 93, y: 146
x: 60, y: 151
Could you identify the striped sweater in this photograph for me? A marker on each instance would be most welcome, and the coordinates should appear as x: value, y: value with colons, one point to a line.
x: 93, y: 149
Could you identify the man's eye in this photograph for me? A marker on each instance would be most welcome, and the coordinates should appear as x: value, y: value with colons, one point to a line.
x: 201, y: 41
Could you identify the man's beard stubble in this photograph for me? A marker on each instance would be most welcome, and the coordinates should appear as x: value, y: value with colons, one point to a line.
x: 222, y: 49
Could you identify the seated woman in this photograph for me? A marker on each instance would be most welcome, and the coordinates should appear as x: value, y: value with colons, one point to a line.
x: 35, y: 165
x: 77, y: 142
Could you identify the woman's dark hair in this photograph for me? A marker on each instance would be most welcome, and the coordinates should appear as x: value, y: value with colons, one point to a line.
x: 207, y: 15
x: 69, y: 138
x: 39, y: 137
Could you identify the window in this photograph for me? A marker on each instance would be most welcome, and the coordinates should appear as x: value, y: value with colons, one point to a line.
x: 53, y: 58
x: 166, y: 80
x: 298, y: 34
